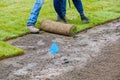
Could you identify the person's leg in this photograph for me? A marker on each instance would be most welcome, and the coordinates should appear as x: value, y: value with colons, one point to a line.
x: 63, y: 10
x: 35, y: 12
x: 60, y: 8
x: 79, y: 7
x: 33, y: 16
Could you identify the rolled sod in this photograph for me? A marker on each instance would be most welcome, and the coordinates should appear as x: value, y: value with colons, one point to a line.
x: 58, y: 27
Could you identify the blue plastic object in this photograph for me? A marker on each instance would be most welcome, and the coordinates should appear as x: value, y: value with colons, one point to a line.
x: 54, y: 48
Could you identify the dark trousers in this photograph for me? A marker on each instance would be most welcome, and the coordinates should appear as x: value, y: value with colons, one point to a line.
x: 60, y: 7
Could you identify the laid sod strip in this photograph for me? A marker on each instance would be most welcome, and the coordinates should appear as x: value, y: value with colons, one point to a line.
x: 95, y: 21
x: 7, y: 50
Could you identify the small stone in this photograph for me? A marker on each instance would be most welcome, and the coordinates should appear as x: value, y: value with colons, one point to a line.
x: 65, y: 61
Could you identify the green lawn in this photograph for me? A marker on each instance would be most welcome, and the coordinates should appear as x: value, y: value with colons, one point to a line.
x: 7, y: 50
x: 14, y: 14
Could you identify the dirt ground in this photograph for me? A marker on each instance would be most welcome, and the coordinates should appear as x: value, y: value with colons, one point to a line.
x: 93, y: 54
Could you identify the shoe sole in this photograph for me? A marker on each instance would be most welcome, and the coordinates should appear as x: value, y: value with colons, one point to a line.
x: 34, y: 32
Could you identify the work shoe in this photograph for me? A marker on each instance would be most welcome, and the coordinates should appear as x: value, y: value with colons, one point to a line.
x: 62, y: 19
x: 84, y: 19
x: 33, y: 29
